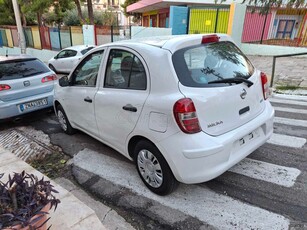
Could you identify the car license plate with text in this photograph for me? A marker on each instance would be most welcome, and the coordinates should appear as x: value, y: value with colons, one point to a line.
x: 33, y: 104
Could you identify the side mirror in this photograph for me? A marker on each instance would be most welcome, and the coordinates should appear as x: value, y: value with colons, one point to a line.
x: 63, y: 81
x: 56, y: 57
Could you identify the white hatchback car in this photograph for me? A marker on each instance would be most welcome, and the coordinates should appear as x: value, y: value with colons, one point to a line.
x: 184, y: 108
x: 68, y: 58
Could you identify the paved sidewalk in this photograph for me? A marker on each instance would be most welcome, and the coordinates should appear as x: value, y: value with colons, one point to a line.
x: 289, y: 71
x: 71, y: 212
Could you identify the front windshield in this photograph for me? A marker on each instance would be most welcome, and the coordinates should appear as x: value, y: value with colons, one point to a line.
x: 196, y: 66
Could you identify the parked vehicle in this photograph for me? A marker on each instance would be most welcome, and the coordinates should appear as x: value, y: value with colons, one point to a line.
x: 68, y: 58
x: 184, y: 108
x: 26, y: 85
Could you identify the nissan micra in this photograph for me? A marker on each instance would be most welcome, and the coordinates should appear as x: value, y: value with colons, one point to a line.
x: 183, y: 108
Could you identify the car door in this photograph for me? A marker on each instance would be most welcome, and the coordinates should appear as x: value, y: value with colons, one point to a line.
x: 120, y: 100
x: 79, y: 96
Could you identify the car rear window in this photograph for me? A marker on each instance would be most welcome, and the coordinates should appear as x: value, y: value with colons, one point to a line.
x: 197, y: 65
x: 22, y: 68
x: 86, y: 50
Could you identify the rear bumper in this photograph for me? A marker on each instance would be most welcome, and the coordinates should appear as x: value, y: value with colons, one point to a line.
x: 199, y: 157
x: 11, y: 108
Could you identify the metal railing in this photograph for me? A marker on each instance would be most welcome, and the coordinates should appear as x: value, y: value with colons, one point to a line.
x: 274, y: 63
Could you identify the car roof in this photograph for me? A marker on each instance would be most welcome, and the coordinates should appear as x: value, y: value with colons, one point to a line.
x: 4, y: 58
x: 78, y: 47
x: 173, y: 42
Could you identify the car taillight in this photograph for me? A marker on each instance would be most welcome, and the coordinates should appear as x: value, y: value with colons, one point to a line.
x: 209, y: 38
x: 265, y: 85
x: 49, y: 78
x: 186, y: 117
x: 4, y: 87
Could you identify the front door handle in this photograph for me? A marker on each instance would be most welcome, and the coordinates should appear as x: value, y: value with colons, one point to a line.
x: 87, y: 99
x: 130, y: 108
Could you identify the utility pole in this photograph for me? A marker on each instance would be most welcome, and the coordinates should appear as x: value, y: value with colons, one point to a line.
x: 21, y: 36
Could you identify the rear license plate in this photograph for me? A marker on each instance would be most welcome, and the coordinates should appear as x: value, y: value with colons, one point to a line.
x: 249, y: 137
x: 33, y: 104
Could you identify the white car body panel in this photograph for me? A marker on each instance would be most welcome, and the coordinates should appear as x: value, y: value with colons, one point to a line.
x: 193, y: 158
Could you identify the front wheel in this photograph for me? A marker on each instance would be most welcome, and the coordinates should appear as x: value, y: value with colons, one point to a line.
x: 64, y: 122
x: 153, y: 169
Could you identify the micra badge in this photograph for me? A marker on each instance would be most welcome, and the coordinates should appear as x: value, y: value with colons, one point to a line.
x: 214, y: 124
x: 243, y: 94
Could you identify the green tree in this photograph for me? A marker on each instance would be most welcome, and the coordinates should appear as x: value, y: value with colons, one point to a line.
x: 79, y: 11
x: 90, y: 11
x: 7, y: 16
x: 136, y: 16
x: 266, y: 5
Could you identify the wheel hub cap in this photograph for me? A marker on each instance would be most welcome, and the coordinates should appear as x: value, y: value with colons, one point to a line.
x: 150, y: 168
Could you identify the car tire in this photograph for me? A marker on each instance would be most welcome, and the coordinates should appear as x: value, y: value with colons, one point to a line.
x: 153, y: 169
x: 64, y: 122
x: 52, y: 68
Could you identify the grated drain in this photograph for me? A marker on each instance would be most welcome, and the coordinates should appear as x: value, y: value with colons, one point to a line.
x: 27, y: 143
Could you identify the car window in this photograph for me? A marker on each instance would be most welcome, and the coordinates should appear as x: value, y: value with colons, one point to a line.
x: 86, y: 72
x: 86, y: 50
x: 125, y: 71
x: 71, y: 53
x: 15, y: 69
x: 196, y: 66
x: 62, y: 54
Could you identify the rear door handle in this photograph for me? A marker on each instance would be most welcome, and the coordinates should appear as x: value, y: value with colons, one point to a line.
x: 130, y: 108
x: 87, y: 99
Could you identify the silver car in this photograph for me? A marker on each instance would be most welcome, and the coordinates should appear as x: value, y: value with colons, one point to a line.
x: 26, y: 85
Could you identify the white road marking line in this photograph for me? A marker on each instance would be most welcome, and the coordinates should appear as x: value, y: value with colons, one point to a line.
x: 290, y: 97
x: 289, y: 102
x: 277, y: 174
x: 288, y: 141
x: 218, y: 210
x: 287, y: 121
x: 290, y: 110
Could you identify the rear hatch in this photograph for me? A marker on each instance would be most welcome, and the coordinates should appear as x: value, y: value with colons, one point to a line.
x: 222, y: 83
x: 25, y: 78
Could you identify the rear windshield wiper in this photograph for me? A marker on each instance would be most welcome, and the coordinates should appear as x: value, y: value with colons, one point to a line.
x: 236, y: 80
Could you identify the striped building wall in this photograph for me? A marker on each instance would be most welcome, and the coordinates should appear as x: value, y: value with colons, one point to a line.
x: 208, y: 20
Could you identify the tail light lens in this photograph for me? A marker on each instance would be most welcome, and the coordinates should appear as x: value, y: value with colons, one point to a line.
x: 186, y: 117
x: 4, y: 87
x: 52, y: 77
x: 265, y: 85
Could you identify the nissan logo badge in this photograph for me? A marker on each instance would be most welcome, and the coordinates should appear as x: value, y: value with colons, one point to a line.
x: 243, y: 94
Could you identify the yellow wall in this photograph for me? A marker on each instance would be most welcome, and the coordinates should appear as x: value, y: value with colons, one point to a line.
x: 36, y: 37
x: 9, y: 38
x: 150, y: 13
x: 76, y: 35
x: 203, y: 21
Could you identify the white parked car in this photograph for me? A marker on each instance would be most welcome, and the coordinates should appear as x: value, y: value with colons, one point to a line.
x: 68, y: 58
x: 184, y: 108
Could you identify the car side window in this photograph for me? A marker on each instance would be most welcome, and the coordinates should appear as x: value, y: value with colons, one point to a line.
x: 62, y: 54
x: 86, y: 72
x: 71, y: 53
x: 125, y: 71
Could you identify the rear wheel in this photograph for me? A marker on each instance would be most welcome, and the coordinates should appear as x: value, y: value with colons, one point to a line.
x: 153, y: 169
x: 64, y: 122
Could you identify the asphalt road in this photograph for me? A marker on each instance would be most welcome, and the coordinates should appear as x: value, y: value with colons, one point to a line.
x: 268, y: 190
